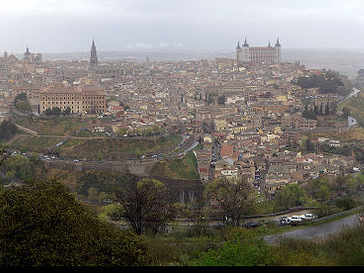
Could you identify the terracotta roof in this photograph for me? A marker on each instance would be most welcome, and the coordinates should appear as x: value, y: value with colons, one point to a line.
x: 226, y: 150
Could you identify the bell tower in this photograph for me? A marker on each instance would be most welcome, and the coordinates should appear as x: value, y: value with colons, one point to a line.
x: 93, y: 58
x: 278, y: 51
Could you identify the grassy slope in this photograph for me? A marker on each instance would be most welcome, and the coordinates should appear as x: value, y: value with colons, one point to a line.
x: 97, y: 149
x: 117, y: 149
x: 351, y: 135
x: 57, y: 126
x: 35, y: 144
x: 185, y: 168
x: 356, y: 107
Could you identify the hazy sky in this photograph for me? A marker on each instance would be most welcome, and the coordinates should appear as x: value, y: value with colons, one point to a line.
x: 69, y: 25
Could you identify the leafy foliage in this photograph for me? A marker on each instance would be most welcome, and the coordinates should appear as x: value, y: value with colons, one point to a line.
x: 7, y: 130
x: 147, y: 205
x: 233, y: 197
x: 22, y: 103
x: 328, y: 82
x: 239, y: 251
x: 55, y: 111
x: 103, y: 181
x: 20, y: 168
x: 43, y: 224
x: 290, y: 196
x: 309, y: 115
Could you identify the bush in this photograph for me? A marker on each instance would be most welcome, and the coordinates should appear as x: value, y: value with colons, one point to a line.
x: 241, y: 252
x: 345, y: 203
x: 22, y: 103
x: 7, y: 130
x: 43, y: 224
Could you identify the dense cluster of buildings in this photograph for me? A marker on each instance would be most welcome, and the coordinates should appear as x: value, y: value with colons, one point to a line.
x: 247, y: 113
x: 47, y: 85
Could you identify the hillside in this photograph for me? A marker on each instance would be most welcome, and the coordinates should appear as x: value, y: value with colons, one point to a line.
x: 355, y: 107
x: 185, y: 168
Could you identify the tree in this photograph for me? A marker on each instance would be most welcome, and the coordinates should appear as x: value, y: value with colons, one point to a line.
x: 22, y: 103
x: 43, y: 224
x: 56, y: 111
x: 309, y: 114
x: 147, y: 205
x: 4, y: 154
x: 290, y: 196
x: 101, y: 197
x: 20, y: 168
x: 67, y: 111
x: 323, y: 193
x: 309, y: 146
x: 93, y: 194
x: 21, y: 96
x: 234, y: 198
x: 7, y: 130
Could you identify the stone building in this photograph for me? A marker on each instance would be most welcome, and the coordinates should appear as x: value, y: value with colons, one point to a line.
x: 258, y: 55
x: 32, y: 58
x: 82, y: 99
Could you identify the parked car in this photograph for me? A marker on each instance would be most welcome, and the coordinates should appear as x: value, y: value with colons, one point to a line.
x: 252, y: 224
x: 284, y: 220
x: 295, y: 219
x: 308, y: 216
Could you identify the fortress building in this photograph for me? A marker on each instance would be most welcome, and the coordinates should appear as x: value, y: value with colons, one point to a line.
x: 246, y: 55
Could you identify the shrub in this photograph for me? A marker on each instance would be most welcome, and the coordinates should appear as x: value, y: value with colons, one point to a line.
x: 7, y: 130
x: 43, y: 224
x: 345, y: 203
x: 237, y: 253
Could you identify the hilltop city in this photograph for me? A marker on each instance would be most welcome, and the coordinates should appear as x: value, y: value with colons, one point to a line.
x: 247, y: 114
x: 190, y: 148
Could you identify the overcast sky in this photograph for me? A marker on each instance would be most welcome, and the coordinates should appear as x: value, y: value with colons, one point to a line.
x: 70, y: 25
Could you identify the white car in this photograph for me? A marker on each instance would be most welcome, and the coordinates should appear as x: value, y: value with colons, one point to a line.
x: 295, y: 219
x: 308, y: 216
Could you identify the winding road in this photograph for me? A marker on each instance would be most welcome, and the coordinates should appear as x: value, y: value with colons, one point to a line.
x: 318, y: 232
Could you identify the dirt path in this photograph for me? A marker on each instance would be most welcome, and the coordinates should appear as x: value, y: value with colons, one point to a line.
x: 27, y: 130
x: 16, y: 137
x: 315, y: 232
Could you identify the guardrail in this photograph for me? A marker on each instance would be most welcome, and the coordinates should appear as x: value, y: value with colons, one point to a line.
x: 337, y: 214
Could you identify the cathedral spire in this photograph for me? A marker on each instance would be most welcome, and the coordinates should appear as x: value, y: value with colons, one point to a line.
x: 269, y: 44
x: 277, y: 43
x: 245, y: 43
x: 238, y: 46
x: 93, y: 58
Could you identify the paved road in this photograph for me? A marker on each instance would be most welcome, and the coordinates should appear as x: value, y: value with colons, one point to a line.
x: 315, y: 232
x: 354, y: 92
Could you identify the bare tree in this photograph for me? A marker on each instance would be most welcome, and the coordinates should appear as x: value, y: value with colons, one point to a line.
x: 4, y: 154
x: 147, y: 205
x: 233, y: 198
